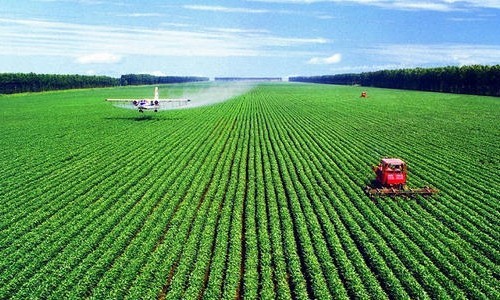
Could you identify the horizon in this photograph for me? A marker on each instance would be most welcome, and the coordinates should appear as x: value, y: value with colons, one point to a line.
x: 255, y: 38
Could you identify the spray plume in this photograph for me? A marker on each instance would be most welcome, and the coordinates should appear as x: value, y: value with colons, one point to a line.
x: 216, y: 93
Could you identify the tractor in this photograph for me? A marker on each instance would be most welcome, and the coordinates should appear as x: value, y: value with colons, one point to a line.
x: 390, y: 180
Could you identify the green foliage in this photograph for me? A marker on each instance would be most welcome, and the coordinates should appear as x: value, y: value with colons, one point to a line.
x: 475, y: 79
x: 11, y: 83
x: 257, y: 197
x: 141, y: 79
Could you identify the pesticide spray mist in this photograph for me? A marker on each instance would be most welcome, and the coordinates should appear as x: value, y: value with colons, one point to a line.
x: 215, y: 93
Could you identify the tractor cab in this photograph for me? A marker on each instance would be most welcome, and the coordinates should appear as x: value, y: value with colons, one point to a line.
x: 391, y: 172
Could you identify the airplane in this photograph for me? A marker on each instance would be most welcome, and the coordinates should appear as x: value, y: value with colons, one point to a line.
x: 151, y: 104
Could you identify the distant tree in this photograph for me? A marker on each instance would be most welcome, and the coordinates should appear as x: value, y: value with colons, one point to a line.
x: 344, y: 79
x: 475, y: 79
x: 31, y: 82
x: 248, y: 79
x: 145, y: 79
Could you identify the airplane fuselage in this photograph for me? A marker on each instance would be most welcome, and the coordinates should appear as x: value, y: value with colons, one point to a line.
x: 142, y: 105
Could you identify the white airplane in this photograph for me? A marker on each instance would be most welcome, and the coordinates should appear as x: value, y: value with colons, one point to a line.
x: 151, y: 104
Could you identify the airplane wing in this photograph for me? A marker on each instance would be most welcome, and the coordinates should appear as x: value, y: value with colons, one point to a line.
x: 142, y: 99
x: 174, y: 100
x: 128, y: 100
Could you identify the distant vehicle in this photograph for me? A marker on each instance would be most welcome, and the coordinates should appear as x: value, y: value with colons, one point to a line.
x: 154, y: 104
x: 390, y: 180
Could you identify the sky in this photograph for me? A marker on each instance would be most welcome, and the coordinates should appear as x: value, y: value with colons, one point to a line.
x: 246, y: 38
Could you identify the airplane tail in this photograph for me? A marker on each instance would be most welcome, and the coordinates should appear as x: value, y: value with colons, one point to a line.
x: 157, y: 93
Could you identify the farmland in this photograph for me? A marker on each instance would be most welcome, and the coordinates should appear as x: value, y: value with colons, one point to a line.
x: 259, y: 196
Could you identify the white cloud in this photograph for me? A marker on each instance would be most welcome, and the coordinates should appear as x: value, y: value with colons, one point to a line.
x: 407, y: 5
x: 436, y: 5
x: 334, y: 59
x: 90, y: 42
x: 141, y: 15
x: 154, y: 73
x: 436, y: 54
x: 325, y: 17
x: 172, y: 24
x: 98, y: 58
x: 483, y: 3
x: 90, y: 2
x: 225, y: 9
x: 367, y: 68
x: 455, y: 19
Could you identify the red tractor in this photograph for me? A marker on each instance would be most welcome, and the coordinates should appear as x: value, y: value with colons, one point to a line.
x: 390, y: 180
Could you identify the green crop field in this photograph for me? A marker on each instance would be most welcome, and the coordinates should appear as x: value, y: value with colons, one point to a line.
x: 260, y: 196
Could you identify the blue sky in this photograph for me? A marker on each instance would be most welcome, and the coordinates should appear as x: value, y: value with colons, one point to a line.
x: 245, y: 38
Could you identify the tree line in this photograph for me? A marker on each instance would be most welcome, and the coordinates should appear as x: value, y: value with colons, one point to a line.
x: 11, y: 83
x: 140, y: 79
x: 474, y: 79
x: 248, y: 79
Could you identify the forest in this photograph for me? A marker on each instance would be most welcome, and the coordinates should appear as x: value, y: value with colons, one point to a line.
x: 474, y: 79
x: 11, y: 83
x: 140, y: 79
